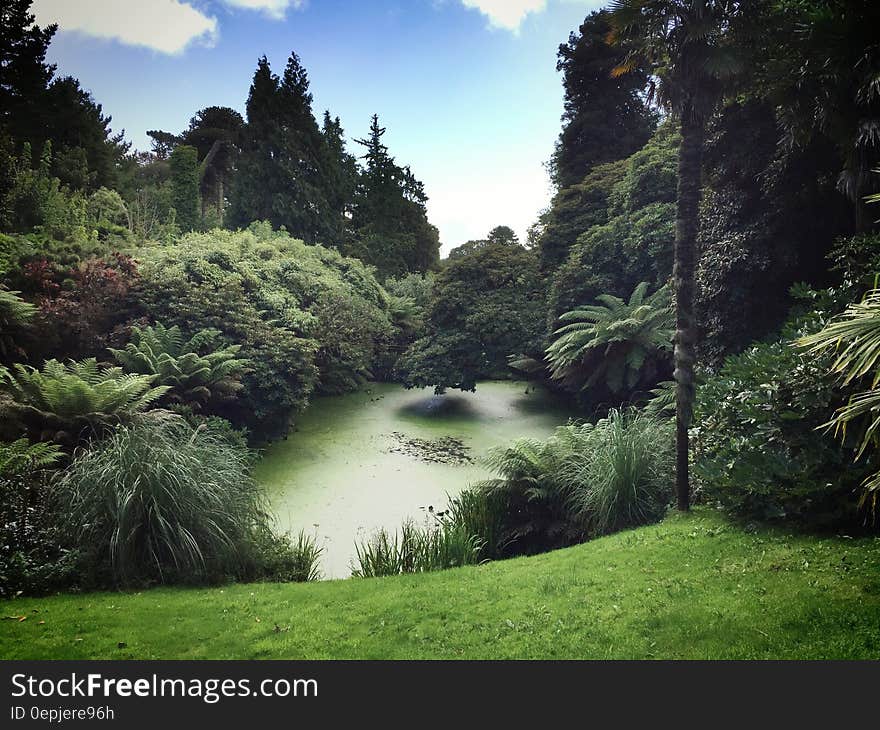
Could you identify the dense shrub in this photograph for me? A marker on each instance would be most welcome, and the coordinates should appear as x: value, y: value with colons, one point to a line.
x: 160, y: 501
x: 585, y: 481
x: 760, y: 446
x: 33, y: 558
x: 305, y: 317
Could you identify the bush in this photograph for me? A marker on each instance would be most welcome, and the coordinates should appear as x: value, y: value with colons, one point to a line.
x: 289, y: 306
x: 585, y: 481
x: 32, y: 556
x: 624, y: 474
x: 160, y: 501
x: 760, y: 448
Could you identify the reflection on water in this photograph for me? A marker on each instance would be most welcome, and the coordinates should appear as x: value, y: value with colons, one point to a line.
x: 343, y: 474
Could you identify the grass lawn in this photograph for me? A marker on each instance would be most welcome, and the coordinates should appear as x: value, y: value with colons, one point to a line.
x: 696, y: 586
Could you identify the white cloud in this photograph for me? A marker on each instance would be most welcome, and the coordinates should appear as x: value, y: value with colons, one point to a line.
x: 507, y: 14
x: 168, y: 26
x: 273, y: 8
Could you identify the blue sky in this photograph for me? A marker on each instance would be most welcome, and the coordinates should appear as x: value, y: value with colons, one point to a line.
x: 468, y: 89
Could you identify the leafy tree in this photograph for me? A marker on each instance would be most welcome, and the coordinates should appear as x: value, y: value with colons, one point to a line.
x: 196, y: 369
x: 574, y: 210
x: 65, y: 400
x: 687, y: 44
x: 619, y: 225
x: 621, y: 345
x: 822, y: 74
x: 185, y: 187
x: 769, y: 216
x: 606, y: 116
x: 486, y: 305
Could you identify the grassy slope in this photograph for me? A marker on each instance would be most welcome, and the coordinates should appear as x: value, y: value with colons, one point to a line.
x: 692, y: 587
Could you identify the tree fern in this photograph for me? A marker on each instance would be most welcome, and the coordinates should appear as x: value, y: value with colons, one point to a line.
x: 615, y: 341
x: 195, y: 370
x: 21, y: 457
x: 15, y: 315
x: 77, y: 395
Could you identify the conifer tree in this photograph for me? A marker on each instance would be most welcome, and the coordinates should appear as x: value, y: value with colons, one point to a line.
x: 184, y: 163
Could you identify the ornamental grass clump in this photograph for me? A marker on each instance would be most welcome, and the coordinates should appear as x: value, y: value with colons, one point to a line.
x: 161, y: 501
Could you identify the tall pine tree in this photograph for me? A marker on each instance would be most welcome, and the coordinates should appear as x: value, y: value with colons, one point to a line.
x: 390, y: 224
x: 285, y: 173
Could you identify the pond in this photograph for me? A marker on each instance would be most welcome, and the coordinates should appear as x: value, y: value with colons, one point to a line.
x: 374, y: 458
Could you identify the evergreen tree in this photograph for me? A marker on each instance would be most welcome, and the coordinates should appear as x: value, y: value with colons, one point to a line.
x: 257, y: 176
x: 606, y: 117
x: 24, y: 73
x: 284, y: 174
x: 342, y: 172
x: 391, y: 228
x: 184, y: 164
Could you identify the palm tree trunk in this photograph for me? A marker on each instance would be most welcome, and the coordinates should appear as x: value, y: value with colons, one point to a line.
x: 687, y: 222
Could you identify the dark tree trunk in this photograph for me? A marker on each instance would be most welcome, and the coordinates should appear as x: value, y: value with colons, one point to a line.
x: 686, y: 228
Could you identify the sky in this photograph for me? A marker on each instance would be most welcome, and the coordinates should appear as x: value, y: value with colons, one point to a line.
x: 467, y: 89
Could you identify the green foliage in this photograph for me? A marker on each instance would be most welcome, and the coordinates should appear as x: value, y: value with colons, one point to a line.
x: 285, y: 167
x: 283, y: 560
x: 606, y: 117
x: 416, y: 550
x: 197, y: 370
x: 623, y: 476
x: 760, y: 447
x: 15, y: 316
x: 184, y: 164
x: 32, y: 558
x: 160, y: 501
x: 854, y: 340
x: 587, y: 480
x: 486, y: 305
x: 620, y: 230
x: 275, y: 297
x: 753, y: 247
x: 390, y: 228
x: 67, y: 399
x: 575, y: 209
x: 616, y: 344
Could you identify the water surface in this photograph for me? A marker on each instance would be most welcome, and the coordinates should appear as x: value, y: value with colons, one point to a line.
x: 356, y: 462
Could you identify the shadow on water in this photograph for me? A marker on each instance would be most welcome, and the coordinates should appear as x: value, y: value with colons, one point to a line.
x: 447, y: 407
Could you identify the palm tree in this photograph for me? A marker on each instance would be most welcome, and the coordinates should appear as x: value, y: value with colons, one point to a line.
x: 854, y: 337
x: 622, y: 342
x: 688, y: 45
